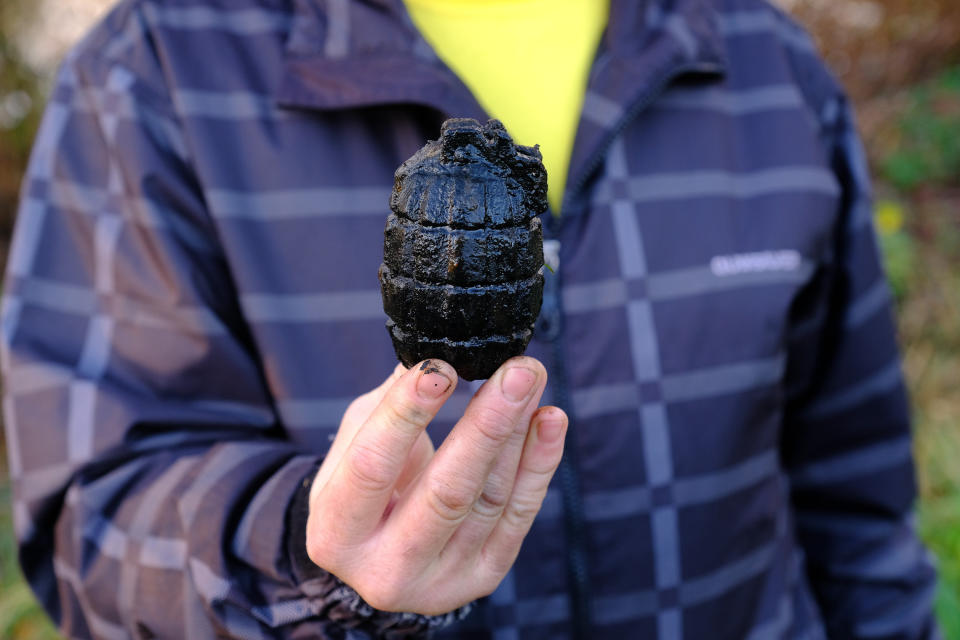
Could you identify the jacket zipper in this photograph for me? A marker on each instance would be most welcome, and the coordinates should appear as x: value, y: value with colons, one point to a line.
x: 568, y: 471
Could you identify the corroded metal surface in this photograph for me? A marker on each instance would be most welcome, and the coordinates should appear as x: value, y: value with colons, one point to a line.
x: 463, y: 249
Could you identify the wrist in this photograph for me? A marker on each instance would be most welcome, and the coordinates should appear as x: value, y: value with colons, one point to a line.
x: 338, y: 601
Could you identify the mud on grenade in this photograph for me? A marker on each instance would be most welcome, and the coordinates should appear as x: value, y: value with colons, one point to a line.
x: 463, y: 249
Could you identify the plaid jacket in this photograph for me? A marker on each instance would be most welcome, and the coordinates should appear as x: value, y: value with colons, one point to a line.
x: 192, y: 301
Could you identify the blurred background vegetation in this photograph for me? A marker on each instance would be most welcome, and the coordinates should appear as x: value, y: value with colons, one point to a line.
x: 900, y: 61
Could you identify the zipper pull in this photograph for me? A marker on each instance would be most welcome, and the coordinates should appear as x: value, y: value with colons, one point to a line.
x: 547, y: 328
x: 551, y: 254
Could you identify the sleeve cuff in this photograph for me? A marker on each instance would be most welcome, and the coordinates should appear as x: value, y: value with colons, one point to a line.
x: 338, y: 601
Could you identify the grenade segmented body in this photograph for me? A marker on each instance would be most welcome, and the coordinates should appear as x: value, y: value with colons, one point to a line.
x: 463, y: 249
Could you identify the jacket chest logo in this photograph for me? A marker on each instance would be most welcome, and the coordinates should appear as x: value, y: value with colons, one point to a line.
x: 755, y: 262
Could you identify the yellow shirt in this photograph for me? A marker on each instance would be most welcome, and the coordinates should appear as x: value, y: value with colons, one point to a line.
x: 526, y: 61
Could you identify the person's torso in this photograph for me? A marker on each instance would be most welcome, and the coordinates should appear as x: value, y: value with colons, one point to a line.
x: 699, y: 206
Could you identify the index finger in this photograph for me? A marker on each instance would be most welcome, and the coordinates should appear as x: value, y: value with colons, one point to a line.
x: 361, y: 486
x: 445, y: 492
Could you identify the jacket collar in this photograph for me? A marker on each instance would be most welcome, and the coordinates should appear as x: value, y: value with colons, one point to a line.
x: 344, y: 54
x: 353, y: 53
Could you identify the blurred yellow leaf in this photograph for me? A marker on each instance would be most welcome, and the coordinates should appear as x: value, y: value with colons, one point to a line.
x: 889, y: 217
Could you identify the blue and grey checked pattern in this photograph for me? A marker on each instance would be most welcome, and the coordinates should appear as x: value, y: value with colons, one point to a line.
x: 191, y: 303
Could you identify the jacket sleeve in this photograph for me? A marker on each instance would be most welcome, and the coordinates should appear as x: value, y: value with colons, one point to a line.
x: 152, y: 479
x: 846, y: 441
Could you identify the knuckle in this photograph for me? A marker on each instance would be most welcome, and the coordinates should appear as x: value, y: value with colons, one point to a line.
x: 369, y: 468
x: 542, y: 470
x: 494, y: 425
x: 521, y: 512
x: 405, y: 414
x: 491, y: 502
x: 450, y: 502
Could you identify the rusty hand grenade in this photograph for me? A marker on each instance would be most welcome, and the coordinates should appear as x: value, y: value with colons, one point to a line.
x: 461, y: 277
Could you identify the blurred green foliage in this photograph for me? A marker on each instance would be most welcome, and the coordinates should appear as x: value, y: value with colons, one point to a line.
x: 929, y: 323
x: 925, y: 150
x: 20, y: 102
x: 21, y: 617
x: 916, y: 154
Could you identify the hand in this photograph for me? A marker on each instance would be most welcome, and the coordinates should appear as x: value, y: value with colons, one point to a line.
x: 415, y: 530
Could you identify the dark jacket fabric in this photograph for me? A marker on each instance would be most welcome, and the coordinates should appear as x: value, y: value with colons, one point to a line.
x: 192, y: 301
